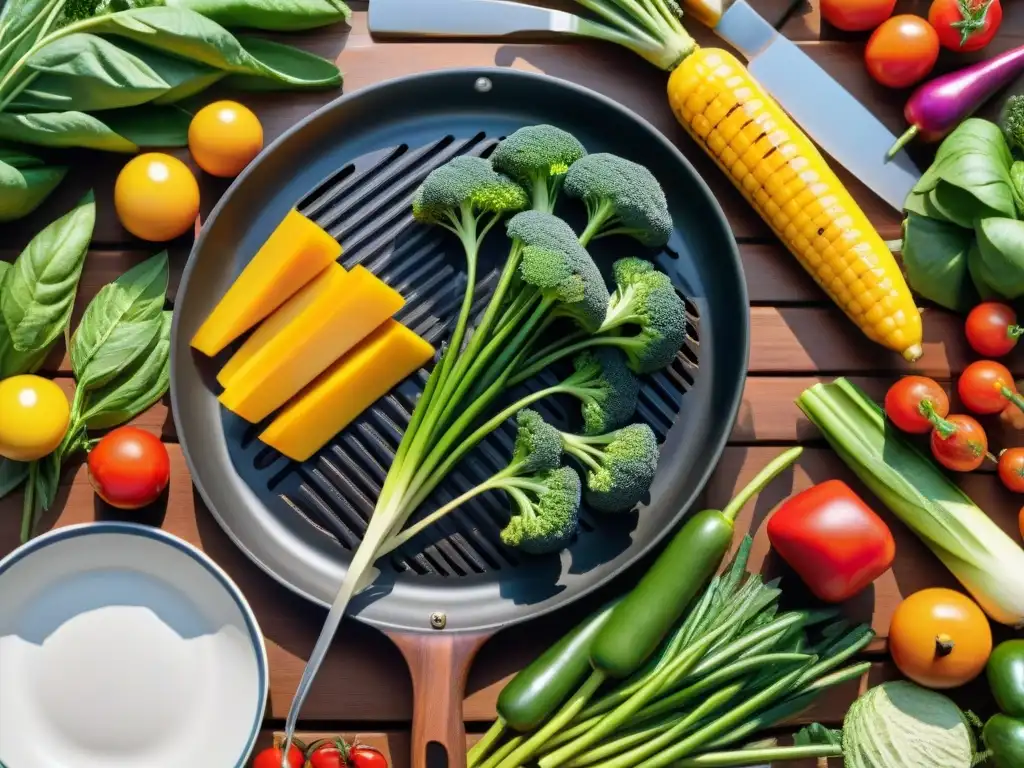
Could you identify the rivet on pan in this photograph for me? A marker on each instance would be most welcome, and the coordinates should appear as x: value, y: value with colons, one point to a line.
x: 438, y: 620
x: 483, y: 84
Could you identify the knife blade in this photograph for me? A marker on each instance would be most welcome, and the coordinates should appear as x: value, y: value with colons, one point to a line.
x: 842, y: 126
x: 465, y: 18
x: 827, y: 112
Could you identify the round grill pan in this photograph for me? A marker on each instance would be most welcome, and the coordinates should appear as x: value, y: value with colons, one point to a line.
x: 353, y: 167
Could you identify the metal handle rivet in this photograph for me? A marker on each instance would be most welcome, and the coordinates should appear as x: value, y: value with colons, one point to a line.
x: 483, y: 84
x: 438, y: 620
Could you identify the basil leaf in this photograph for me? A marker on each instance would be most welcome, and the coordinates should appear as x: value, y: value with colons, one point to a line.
x: 136, y: 296
x: 138, y: 388
x: 22, y: 24
x: 48, y: 479
x: 191, y: 36
x: 272, y: 15
x: 150, y: 126
x: 1001, y: 243
x: 125, y: 344
x: 39, y: 291
x: 23, y: 188
x: 12, y: 474
x: 63, y: 129
x: 299, y: 66
x: 935, y: 258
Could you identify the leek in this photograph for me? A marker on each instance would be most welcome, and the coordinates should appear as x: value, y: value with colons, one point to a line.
x: 976, y: 550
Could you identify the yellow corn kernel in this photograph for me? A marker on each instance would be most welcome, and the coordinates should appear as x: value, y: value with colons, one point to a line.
x: 782, y: 174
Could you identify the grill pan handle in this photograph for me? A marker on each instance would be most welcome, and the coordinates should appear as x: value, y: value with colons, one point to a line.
x: 439, y: 664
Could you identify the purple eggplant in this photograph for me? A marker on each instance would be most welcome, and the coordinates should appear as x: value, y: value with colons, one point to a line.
x: 940, y: 105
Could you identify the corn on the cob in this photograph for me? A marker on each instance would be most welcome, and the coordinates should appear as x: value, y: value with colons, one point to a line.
x: 782, y: 174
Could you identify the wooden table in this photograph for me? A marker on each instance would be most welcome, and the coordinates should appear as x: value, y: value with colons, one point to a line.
x: 798, y: 338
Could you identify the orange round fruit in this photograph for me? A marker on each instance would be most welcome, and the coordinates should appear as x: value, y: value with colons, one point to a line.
x: 156, y: 197
x: 224, y: 137
x: 940, y: 638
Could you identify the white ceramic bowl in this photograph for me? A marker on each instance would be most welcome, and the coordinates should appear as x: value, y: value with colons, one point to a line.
x: 122, y: 646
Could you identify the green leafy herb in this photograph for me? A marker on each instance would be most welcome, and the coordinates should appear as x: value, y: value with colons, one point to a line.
x: 273, y: 15
x: 935, y: 258
x: 136, y: 389
x: 1017, y: 184
x: 12, y: 474
x: 135, y: 296
x: 126, y: 343
x: 25, y: 181
x: 63, y: 129
x: 39, y: 290
x: 1001, y: 245
x: 978, y: 273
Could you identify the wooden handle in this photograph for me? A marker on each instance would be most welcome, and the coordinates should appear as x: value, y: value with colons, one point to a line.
x: 439, y: 664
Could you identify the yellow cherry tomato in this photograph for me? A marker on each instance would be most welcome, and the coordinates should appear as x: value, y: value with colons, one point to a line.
x: 36, y: 415
x: 156, y: 197
x: 224, y: 137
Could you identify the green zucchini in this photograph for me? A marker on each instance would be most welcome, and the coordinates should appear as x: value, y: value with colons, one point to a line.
x: 640, y: 622
x: 540, y: 688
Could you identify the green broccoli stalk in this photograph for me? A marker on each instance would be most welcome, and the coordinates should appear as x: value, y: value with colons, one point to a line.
x: 538, y: 157
x: 620, y: 465
x: 645, y: 300
x: 537, y: 451
x: 622, y: 198
x: 1013, y: 122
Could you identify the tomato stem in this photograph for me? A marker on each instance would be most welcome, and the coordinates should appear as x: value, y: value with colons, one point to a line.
x: 1012, y: 395
x: 943, y: 427
x: 972, y: 19
x: 1014, y: 331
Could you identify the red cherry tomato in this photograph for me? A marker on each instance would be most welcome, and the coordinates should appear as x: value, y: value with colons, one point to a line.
x: 964, y: 450
x: 965, y: 25
x: 1011, y: 469
x: 985, y: 387
x: 129, y: 468
x: 361, y: 756
x: 329, y: 754
x: 271, y: 757
x: 915, y: 404
x: 992, y: 329
x: 902, y: 51
x: 856, y: 15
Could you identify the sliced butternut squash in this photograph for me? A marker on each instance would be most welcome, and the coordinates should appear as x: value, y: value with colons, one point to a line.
x: 296, y: 252
x: 349, y: 387
x: 320, y: 324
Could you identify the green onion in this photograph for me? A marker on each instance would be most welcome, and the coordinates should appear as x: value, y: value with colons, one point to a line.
x: 976, y: 550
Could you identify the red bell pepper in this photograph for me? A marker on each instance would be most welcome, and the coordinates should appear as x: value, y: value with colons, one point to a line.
x: 832, y: 539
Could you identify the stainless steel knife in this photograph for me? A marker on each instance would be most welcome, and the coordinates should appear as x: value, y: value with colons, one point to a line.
x: 826, y: 111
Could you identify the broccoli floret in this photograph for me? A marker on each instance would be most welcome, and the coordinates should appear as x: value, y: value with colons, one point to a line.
x: 538, y: 157
x: 622, y: 198
x: 1013, y: 122
x: 606, y: 388
x: 455, y: 194
x: 553, y: 261
x: 646, y: 298
x: 548, y: 512
x: 538, y: 446
x: 620, y: 465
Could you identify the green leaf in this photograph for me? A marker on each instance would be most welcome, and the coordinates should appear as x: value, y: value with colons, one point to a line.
x: 1017, y: 183
x: 109, y: 76
x: 979, y: 277
x: 22, y: 24
x: 299, y: 66
x: 135, y: 390
x: 151, y: 126
x: 136, y: 296
x: 63, y: 129
x: 817, y: 734
x: 39, y: 292
x: 1001, y: 243
x: 125, y: 344
x: 23, y: 188
x: 12, y: 474
x: 191, y: 36
x: 935, y: 258
x: 273, y: 15
x: 5, y: 267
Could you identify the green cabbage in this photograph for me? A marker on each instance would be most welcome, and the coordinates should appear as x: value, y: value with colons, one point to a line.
x: 900, y: 725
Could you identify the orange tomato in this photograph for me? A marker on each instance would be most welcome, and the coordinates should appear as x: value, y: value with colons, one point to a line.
x: 224, y: 137
x: 856, y: 15
x: 940, y: 638
x: 902, y: 51
x: 156, y: 197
